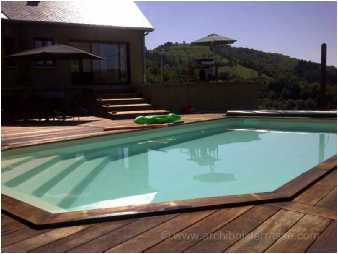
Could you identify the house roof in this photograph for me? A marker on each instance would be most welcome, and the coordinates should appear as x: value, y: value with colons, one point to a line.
x: 3, y: 16
x: 119, y: 14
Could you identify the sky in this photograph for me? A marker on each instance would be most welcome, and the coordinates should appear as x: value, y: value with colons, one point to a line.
x: 296, y: 29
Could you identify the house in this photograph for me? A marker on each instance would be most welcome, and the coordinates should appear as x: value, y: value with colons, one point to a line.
x: 114, y: 30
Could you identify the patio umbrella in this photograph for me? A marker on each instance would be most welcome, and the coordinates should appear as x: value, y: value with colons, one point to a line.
x: 57, y: 51
x: 214, y: 40
x: 54, y: 52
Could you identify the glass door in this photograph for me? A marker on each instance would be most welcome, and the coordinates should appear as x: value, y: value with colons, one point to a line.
x: 113, y: 69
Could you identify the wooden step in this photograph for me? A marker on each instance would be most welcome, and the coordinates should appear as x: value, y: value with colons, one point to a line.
x: 116, y: 101
x: 128, y: 107
x: 103, y: 90
x: 116, y: 95
x: 135, y: 113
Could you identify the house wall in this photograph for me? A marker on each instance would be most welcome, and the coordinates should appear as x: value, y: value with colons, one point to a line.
x: 203, y: 96
x: 24, y: 34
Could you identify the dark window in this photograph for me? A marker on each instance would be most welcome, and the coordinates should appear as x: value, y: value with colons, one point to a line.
x: 43, y: 42
x: 32, y: 3
x: 9, y: 48
x: 112, y: 69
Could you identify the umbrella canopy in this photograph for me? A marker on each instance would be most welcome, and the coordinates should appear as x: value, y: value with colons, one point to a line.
x: 214, y: 39
x: 57, y: 51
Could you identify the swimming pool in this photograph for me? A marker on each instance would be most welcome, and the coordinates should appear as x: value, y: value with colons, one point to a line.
x: 217, y: 158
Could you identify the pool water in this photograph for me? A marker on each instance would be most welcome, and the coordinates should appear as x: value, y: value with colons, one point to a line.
x: 208, y: 159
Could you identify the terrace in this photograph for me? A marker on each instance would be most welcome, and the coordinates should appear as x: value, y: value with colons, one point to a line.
x: 100, y: 98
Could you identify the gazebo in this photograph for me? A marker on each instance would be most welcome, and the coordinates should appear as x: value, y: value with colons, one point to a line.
x: 212, y: 41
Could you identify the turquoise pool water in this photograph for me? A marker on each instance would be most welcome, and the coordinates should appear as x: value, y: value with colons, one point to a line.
x: 216, y: 158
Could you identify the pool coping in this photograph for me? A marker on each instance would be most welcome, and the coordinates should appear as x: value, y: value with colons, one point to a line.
x: 284, y: 113
x: 42, y: 219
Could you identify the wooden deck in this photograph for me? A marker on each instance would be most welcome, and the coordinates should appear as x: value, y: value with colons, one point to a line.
x: 305, y: 224
x: 44, y: 132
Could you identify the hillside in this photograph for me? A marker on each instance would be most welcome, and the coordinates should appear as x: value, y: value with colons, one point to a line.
x: 289, y: 83
x: 277, y: 65
x: 239, y: 63
x: 178, y: 64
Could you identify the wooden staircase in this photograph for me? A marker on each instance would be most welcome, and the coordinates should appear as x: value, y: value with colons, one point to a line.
x: 125, y: 105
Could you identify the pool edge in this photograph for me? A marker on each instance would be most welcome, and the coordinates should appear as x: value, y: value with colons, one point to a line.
x: 42, y: 218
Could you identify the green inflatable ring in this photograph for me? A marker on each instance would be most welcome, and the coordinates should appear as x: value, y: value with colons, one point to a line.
x: 157, y: 119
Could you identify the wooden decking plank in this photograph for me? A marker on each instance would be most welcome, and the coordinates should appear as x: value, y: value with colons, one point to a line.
x: 34, y: 132
x: 125, y: 233
x: 224, y: 237
x: 7, y: 144
x: 196, y: 232
x: 5, y: 220
x: 327, y: 241
x: 83, y: 236
x: 50, y: 134
x: 312, y: 195
x: 329, y: 201
x: 307, y: 209
x: 41, y: 130
x: 11, y: 226
x: 42, y: 239
x: 267, y: 233
x: 301, y: 235
x: 19, y: 235
x: 161, y: 232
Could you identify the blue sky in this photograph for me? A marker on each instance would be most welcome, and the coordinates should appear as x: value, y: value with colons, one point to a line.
x: 296, y: 29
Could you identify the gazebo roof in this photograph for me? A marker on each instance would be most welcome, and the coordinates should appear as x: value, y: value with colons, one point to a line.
x: 214, y: 39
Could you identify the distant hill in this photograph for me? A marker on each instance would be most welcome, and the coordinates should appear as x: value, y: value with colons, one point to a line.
x: 178, y: 62
x: 289, y: 83
x: 238, y: 64
x: 277, y: 65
